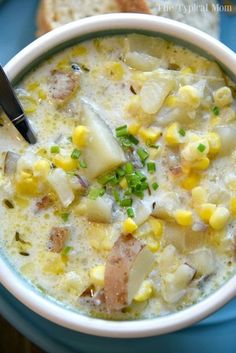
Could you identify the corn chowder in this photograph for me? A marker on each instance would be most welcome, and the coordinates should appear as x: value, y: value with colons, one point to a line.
x: 126, y: 206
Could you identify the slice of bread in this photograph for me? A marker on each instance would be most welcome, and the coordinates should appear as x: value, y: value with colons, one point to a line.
x: 54, y: 13
x: 198, y: 13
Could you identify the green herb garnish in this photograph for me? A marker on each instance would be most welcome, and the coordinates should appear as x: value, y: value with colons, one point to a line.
x: 82, y: 164
x: 65, y: 216
x: 143, y: 154
x: 201, y: 148
x: 129, y: 168
x: 130, y: 212
x: 126, y: 202
x: 122, y: 131
x: 94, y: 193
x: 75, y: 154
x: 216, y: 110
x: 155, y: 186
x: 182, y: 132
x: 66, y: 250
x: 55, y: 149
x: 151, y: 167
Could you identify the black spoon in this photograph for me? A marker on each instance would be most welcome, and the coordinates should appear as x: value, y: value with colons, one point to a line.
x: 13, y: 109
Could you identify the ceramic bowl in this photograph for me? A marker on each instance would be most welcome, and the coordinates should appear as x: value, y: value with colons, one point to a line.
x: 23, y: 62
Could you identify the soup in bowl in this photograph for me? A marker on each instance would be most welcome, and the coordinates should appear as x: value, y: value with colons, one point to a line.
x: 125, y: 207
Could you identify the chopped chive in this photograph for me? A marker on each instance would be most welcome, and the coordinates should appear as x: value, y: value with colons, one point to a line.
x: 122, y: 131
x: 201, y: 147
x: 143, y: 154
x: 55, y: 149
x: 126, y: 202
x: 182, y: 132
x: 129, y: 168
x: 82, y: 164
x: 66, y: 250
x: 94, y: 193
x: 151, y: 167
x: 216, y: 110
x: 133, y: 140
x: 130, y: 212
x: 120, y: 172
x: 154, y: 146
x: 155, y: 186
x: 75, y: 154
x: 104, y: 179
x: 116, y: 196
x: 65, y: 216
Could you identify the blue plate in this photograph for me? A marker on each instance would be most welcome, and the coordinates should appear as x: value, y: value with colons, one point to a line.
x: 215, y: 334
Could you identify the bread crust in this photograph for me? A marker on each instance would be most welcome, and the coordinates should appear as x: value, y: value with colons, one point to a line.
x: 43, y: 22
x: 133, y: 6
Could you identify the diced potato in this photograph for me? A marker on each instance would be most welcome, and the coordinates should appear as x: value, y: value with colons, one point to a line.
x: 51, y: 263
x: 60, y: 183
x: 97, y: 274
x: 99, y: 210
x: 153, y: 94
x: 168, y: 258
x: 127, y: 265
x: 142, y: 212
x: 203, y: 261
x: 103, y: 151
x: 144, y: 292
x: 227, y: 135
x: 141, y: 61
x: 166, y: 205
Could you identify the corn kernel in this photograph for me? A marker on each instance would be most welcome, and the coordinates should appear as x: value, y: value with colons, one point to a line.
x: 150, y: 135
x: 171, y: 101
x: 41, y: 168
x: 157, y: 226
x: 129, y: 226
x: 134, y: 128
x: 52, y: 263
x: 115, y: 70
x: 144, y: 292
x: 66, y: 163
x: 215, y: 120
x: 214, y: 143
x: 183, y: 217
x: 189, y: 95
x: 190, y: 181
x: 172, y: 136
x: 79, y: 50
x: 42, y: 94
x: 199, y: 195
x: 96, y: 275
x: 219, y: 218
x: 32, y: 86
x: 123, y: 183
x: 205, y: 211
x: 223, y: 97
x: 153, y: 245
x: 233, y: 205
x: 63, y: 64
x: 186, y: 70
x: 26, y: 185
x: 202, y: 164
x: 80, y: 136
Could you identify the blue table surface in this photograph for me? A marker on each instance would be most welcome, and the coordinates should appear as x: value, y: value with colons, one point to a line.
x: 215, y: 334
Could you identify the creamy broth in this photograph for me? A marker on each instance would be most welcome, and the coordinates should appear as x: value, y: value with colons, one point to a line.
x: 125, y: 207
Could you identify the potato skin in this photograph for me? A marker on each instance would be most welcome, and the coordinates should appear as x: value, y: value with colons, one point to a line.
x: 118, y: 265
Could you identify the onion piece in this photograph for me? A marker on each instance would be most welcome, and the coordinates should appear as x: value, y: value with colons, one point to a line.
x: 60, y: 183
x: 10, y: 163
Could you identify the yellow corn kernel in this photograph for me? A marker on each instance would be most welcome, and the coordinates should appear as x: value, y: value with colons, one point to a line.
x: 26, y: 185
x: 150, y: 135
x: 157, y: 226
x: 63, y: 64
x: 214, y: 143
x: 32, y: 86
x: 29, y: 104
x: 52, y: 263
x: 219, y: 218
x: 215, y: 120
x: 233, y: 205
x: 223, y: 97
x: 191, y: 181
x: 129, y: 226
x: 189, y: 95
x: 96, y: 275
x: 186, y: 70
x: 183, y: 217
x: 133, y: 107
x: 152, y: 244
x: 123, y: 183
x: 192, y: 150
x: 199, y: 195
x: 80, y: 136
x: 134, y: 128
x: 202, y: 164
x: 171, y: 101
x: 66, y: 163
x: 115, y: 70
x: 42, y: 94
x: 144, y: 292
x: 172, y: 136
x: 79, y: 50
x: 41, y: 168
x: 205, y: 211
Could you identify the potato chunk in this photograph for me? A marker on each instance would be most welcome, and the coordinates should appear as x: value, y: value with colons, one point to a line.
x: 103, y: 152
x: 99, y: 210
x: 127, y: 266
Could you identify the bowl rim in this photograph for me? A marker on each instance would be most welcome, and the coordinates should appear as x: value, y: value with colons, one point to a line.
x: 49, y: 309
